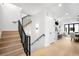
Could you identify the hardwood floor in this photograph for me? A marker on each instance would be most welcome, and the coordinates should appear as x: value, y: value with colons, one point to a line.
x: 62, y: 47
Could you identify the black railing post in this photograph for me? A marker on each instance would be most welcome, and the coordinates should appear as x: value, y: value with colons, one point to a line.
x: 29, y: 46
x: 25, y: 40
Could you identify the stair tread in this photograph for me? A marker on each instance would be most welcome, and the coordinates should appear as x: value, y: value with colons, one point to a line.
x: 22, y: 54
x: 10, y: 49
x: 9, y: 39
x: 10, y: 46
x: 4, y: 44
x: 13, y: 52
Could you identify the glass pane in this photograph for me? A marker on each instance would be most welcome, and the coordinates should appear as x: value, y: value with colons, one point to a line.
x: 76, y: 27
x: 71, y: 28
x: 66, y: 28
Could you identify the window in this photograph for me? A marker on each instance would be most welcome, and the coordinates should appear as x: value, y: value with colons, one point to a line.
x: 69, y: 28
x: 76, y: 27
x: 66, y: 28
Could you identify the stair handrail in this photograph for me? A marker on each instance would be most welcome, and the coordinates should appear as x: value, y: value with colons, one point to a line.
x: 26, y: 17
x: 43, y: 35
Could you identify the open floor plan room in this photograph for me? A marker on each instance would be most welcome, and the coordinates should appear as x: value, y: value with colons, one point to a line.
x: 39, y: 29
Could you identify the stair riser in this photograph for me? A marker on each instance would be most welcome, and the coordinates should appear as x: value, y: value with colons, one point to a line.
x: 9, y: 33
x: 5, y: 36
x: 9, y: 39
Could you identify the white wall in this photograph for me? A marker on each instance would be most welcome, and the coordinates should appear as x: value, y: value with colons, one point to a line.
x: 0, y: 17
x: 38, y: 19
x: 9, y: 13
x: 0, y: 21
x: 46, y: 26
x: 51, y: 34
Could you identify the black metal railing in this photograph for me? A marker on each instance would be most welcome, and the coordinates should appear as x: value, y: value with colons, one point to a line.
x: 38, y: 39
x: 25, y: 39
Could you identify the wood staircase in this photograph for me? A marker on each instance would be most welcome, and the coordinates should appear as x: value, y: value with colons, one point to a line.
x: 10, y: 44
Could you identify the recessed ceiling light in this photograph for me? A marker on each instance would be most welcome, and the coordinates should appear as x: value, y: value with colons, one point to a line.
x: 60, y: 5
x: 66, y: 13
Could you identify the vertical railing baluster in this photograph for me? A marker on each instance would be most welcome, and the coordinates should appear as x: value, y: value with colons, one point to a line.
x: 29, y: 39
x: 25, y: 39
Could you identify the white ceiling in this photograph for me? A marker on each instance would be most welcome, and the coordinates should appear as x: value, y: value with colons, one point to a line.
x: 72, y: 9
x: 33, y: 8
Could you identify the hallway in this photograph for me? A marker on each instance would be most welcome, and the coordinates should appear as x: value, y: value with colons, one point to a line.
x: 62, y: 47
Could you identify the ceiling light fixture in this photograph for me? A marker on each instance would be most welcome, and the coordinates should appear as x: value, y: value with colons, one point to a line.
x: 66, y: 13
x: 60, y: 5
